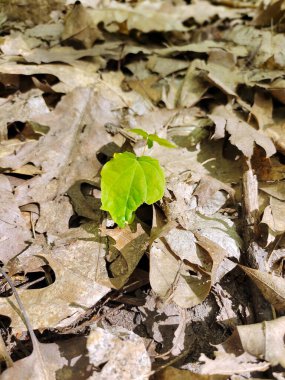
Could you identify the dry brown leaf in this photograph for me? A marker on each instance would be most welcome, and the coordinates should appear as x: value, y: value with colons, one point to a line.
x: 130, y: 243
x: 193, y: 86
x: 76, y: 264
x: 144, y: 16
x: 59, y: 153
x: 217, y: 255
x: 269, y: 13
x: 148, y: 87
x: 242, y: 135
x: 206, y: 46
x: 158, y: 16
x: 34, y: 10
x: 272, y: 287
x: 262, y: 110
x: 80, y: 74
x: 170, y: 280
x: 226, y: 79
x: 78, y: 27
x: 208, y: 187
x: 19, y: 107
x: 263, y: 46
x: 177, y: 253
x: 277, y: 132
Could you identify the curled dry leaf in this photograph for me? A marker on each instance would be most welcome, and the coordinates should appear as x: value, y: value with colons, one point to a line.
x: 265, y: 340
x: 272, y: 287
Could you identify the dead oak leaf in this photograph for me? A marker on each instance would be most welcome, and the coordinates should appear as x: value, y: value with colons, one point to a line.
x: 77, y: 286
x: 14, y: 232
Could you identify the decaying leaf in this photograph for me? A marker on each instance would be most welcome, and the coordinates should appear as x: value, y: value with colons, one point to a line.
x: 121, y: 351
x: 229, y: 364
x: 43, y: 363
x: 171, y: 373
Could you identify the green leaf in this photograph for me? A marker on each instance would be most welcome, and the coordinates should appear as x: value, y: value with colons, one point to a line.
x: 140, y: 132
x: 161, y: 141
x: 128, y: 181
x: 150, y: 138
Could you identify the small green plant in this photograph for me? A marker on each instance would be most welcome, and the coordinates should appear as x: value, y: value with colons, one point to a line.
x: 128, y: 181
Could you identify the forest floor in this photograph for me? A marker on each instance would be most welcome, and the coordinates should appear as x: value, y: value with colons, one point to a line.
x: 194, y: 288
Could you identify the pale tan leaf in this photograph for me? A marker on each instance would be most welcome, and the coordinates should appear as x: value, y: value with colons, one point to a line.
x: 14, y: 232
x: 276, y: 189
x: 229, y: 364
x: 217, y: 254
x: 42, y: 364
x: 208, y: 187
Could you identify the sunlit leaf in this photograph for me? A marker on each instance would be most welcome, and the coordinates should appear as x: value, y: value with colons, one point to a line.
x: 129, y: 181
x: 150, y: 138
x: 140, y: 132
x: 161, y: 141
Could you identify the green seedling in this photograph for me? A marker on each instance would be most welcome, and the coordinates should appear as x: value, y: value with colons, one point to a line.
x: 128, y: 181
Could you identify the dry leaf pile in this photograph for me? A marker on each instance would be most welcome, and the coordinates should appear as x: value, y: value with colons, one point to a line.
x: 195, y: 287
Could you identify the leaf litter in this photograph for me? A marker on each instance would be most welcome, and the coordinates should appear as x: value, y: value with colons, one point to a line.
x: 183, y: 291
